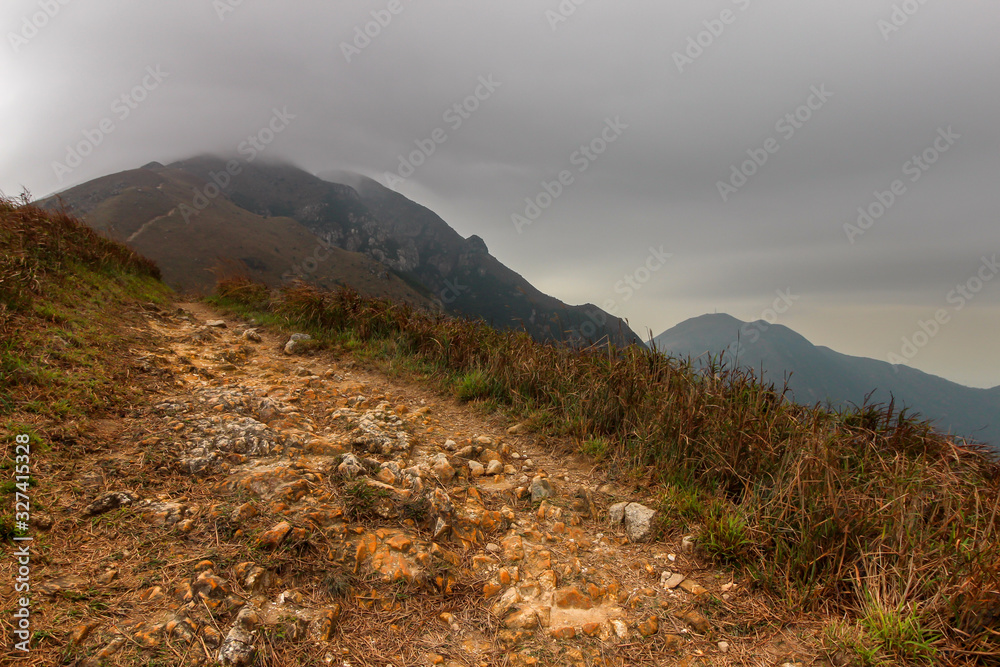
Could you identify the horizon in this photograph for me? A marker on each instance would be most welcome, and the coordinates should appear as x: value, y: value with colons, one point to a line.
x: 841, y: 155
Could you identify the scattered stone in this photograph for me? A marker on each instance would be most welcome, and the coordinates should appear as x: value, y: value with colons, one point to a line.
x: 106, y: 502
x: 443, y: 469
x: 113, y: 647
x: 495, y: 467
x: 649, y: 627
x: 723, y: 646
x: 693, y: 587
x: 237, y: 649
x: 450, y: 445
x: 476, y: 469
x: 107, y: 576
x: 671, y: 581
x: 80, y: 633
x: 638, y: 520
x: 252, y: 335
x: 697, y: 622
x: 541, y: 488
x: 294, y: 344
x: 216, y: 324
x: 272, y: 539
x: 572, y: 598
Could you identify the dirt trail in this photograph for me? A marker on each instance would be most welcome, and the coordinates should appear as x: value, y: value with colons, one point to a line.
x: 296, y: 509
x: 146, y: 225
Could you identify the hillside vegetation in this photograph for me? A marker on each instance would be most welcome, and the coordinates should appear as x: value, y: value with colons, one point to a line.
x: 866, y: 515
x: 867, y: 512
x: 66, y: 297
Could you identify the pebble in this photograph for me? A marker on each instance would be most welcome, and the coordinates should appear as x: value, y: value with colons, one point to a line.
x: 302, y: 468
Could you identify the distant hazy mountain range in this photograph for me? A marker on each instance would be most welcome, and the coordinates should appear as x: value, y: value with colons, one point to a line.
x: 818, y: 374
x: 206, y: 217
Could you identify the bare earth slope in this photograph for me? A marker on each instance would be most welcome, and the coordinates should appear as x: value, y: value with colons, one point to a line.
x: 153, y: 211
x: 302, y: 510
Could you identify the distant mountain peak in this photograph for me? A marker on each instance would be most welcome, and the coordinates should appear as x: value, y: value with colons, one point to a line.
x: 821, y: 375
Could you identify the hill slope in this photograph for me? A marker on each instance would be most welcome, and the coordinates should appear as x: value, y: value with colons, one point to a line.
x: 153, y: 210
x: 271, y: 221
x: 821, y: 375
x: 474, y: 282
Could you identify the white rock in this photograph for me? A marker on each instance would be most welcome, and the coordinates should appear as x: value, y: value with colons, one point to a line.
x: 616, y: 513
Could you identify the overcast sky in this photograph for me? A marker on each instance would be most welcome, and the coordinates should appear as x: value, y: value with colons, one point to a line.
x: 667, y: 98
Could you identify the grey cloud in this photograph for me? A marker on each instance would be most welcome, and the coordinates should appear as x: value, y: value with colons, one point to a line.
x: 657, y: 184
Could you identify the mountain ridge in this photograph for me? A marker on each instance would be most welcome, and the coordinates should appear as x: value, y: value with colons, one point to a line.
x: 819, y: 374
x: 275, y: 222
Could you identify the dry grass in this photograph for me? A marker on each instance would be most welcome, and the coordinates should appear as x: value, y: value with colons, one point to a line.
x: 819, y: 507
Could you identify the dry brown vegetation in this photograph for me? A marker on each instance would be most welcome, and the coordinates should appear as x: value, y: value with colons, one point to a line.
x: 868, y: 512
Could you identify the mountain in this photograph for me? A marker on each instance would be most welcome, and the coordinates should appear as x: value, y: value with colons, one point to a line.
x: 470, y: 280
x: 817, y: 374
x: 154, y: 211
x: 204, y: 216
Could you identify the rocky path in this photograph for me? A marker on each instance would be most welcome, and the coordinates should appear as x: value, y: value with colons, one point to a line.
x: 276, y: 508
